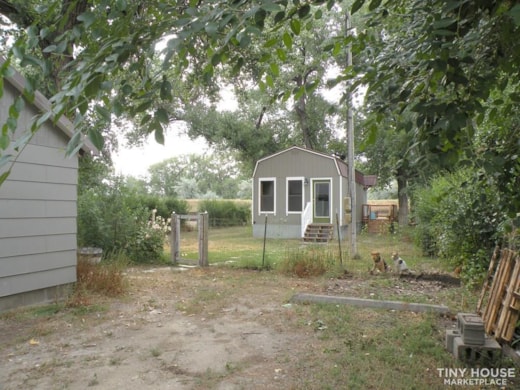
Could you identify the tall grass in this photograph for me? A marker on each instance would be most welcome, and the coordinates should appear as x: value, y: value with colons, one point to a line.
x: 308, y: 261
x: 105, y: 278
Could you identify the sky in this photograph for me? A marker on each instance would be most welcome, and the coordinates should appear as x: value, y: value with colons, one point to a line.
x: 135, y: 161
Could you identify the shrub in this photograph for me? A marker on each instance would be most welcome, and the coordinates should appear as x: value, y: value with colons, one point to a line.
x: 148, y: 244
x: 458, y: 219
x: 226, y: 212
x: 112, y: 217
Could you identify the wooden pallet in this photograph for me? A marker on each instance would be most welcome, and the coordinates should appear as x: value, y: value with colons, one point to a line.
x: 503, y: 305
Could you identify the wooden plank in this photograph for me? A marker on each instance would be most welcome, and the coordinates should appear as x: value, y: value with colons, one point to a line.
x: 496, y: 293
x: 511, y: 305
x: 175, y: 237
x: 504, y: 315
x: 203, y: 239
x: 489, y: 277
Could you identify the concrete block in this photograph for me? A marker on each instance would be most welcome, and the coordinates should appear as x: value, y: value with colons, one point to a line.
x: 471, y: 327
x: 486, y: 354
x: 450, y: 335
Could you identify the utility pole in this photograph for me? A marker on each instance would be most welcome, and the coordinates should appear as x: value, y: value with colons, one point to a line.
x: 350, y: 148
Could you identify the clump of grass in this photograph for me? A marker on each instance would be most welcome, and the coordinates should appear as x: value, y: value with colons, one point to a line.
x: 105, y: 278
x: 308, y: 262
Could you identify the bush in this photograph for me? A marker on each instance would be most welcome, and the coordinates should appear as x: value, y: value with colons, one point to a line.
x: 112, y: 217
x: 226, y: 212
x: 458, y: 219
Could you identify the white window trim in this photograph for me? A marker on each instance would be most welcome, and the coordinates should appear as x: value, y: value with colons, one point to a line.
x: 260, y: 180
x: 331, y: 195
x: 287, y: 180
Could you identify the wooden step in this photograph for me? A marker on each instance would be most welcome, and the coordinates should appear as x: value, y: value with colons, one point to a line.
x: 318, y: 232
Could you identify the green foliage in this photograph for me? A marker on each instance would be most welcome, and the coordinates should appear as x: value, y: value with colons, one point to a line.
x: 112, y: 216
x: 458, y: 218
x: 226, y: 212
x: 147, y: 246
x: 195, y: 176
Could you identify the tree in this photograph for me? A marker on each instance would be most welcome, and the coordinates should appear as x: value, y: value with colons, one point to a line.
x: 443, y: 57
x: 195, y: 176
x: 440, y: 60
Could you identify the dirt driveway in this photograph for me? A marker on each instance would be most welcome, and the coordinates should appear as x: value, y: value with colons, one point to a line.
x: 194, y: 329
x: 174, y: 330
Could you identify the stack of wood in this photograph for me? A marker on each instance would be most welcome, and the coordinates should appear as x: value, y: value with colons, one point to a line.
x: 502, y: 289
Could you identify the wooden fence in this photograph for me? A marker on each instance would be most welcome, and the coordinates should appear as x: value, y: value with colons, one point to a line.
x: 203, y: 228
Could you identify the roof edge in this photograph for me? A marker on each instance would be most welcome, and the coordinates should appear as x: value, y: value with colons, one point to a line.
x: 44, y: 105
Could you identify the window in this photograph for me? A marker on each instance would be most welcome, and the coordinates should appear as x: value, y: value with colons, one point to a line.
x: 294, y: 195
x: 267, y: 196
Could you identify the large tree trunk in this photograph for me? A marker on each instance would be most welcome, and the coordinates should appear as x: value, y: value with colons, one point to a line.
x: 402, y: 196
x: 303, y: 119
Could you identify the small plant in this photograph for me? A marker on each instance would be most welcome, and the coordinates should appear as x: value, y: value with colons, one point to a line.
x: 104, y: 278
x: 155, y: 352
x: 308, y: 262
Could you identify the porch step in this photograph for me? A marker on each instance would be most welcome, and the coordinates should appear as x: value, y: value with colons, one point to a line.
x: 319, y: 232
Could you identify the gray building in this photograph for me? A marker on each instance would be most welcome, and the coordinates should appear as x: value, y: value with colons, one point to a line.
x: 38, y: 206
x: 297, y: 187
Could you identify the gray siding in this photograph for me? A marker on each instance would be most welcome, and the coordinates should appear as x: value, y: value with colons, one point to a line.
x: 298, y: 162
x: 38, y: 209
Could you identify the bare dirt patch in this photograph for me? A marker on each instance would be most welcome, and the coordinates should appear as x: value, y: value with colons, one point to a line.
x: 195, y: 329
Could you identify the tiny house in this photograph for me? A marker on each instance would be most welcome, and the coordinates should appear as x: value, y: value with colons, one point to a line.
x: 297, y: 188
x: 38, y: 206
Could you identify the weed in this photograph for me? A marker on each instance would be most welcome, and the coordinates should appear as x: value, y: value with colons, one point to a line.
x: 155, y: 352
x: 115, y: 361
x: 105, y: 278
x: 308, y: 262
x: 94, y: 381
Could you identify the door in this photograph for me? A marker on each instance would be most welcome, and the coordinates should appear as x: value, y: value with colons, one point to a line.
x: 321, y: 202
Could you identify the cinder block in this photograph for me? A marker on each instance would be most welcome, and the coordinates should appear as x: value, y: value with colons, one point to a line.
x: 450, y: 335
x: 471, y: 328
x: 486, y: 354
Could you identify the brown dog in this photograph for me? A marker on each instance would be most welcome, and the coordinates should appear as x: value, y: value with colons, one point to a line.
x: 379, y: 264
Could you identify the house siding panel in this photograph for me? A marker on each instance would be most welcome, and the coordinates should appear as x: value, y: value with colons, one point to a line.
x: 38, y: 207
x: 28, y: 227
x: 38, y: 191
x: 311, y: 166
x: 46, y: 173
x: 12, y: 266
x: 18, y: 246
x: 31, y: 208
x: 53, y: 277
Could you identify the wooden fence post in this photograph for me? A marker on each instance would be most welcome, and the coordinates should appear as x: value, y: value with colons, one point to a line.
x: 176, y: 237
x: 203, y: 239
